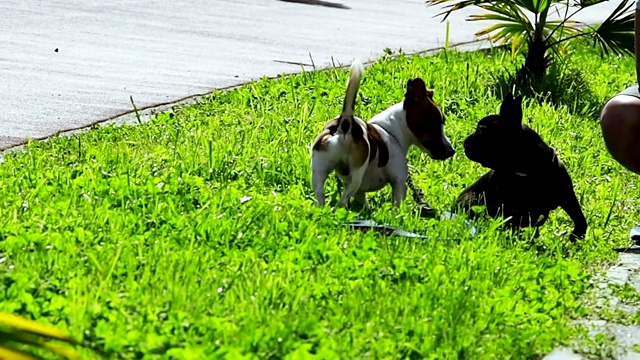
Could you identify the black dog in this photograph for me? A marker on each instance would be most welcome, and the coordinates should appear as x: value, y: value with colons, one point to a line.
x: 527, y: 179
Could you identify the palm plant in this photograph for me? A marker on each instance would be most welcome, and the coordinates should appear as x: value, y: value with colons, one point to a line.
x: 20, y: 337
x: 540, y: 38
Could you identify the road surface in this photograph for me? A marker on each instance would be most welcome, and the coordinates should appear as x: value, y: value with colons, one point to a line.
x: 66, y: 64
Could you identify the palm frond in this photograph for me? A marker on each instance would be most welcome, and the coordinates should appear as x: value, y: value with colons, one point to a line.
x: 16, y: 331
x: 33, y: 327
x: 7, y: 353
x: 558, y: 29
x: 617, y: 34
x: 567, y: 22
x: 492, y: 17
x: 503, y: 32
x: 587, y: 3
x: 508, y: 23
x: 457, y: 5
x: 508, y: 10
x: 511, y: 23
x: 535, y: 6
x: 517, y: 44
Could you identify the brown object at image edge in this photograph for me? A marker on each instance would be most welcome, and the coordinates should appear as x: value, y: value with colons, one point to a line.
x: 620, y: 121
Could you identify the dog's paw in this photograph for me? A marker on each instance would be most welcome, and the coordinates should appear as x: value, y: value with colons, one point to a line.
x: 426, y: 211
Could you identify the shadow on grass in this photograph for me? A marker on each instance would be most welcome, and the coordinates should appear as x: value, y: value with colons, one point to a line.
x: 564, y: 85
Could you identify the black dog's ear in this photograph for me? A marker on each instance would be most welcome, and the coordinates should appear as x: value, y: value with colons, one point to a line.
x: 430, y: 93
x: 505, y: 107
x: 517, y: 109
x: 517, y: 101
x: 416, y: 90
x: 511, y: 108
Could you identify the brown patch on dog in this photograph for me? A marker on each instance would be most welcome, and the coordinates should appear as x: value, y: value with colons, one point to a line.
x: 320, y: 143
x: 377, y: 146
x: 424, y: 118
x: 360, y: 148
x: 371, y: 144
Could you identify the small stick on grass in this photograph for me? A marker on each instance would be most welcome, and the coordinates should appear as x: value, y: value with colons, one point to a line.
x: 312, y: 62
x: 135, y: 109
x: 417, y: 194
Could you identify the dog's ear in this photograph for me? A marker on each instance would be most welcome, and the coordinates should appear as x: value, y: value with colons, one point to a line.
x: 430, y: 93
x: 516, y: 108
x: 505, y: 107
x: 416, y: 90
x: 511, y: 108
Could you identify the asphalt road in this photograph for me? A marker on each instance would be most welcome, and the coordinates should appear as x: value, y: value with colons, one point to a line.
x: 66, y: 64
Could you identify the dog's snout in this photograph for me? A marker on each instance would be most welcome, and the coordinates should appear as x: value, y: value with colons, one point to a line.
x: 465, y: 143
x: 450, y: 152
x: 442, y: 150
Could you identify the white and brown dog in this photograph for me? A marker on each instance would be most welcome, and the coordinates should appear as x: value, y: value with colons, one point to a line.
x: 369, y: 155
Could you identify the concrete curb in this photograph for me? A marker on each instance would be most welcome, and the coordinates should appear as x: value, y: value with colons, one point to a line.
x: 148, y: 112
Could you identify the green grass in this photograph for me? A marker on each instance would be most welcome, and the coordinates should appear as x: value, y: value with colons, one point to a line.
x: 626, y: 293
x: 143, y: 241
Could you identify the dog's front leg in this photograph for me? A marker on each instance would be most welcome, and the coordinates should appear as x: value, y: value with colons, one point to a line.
x: 572, y: 207
x: 399, y: 190
x: 474, y: 195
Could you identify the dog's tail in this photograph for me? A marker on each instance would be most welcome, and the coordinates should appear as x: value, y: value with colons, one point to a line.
x: 353, y: 84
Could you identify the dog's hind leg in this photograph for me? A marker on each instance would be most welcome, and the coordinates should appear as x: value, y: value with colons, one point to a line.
x: 399, y: 192
x: 352, y: 185
x: 321, y: 168
x: 360, y: 198
x: 317, y: 182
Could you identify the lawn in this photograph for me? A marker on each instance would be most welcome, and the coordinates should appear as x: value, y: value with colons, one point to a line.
x: 195, y: 236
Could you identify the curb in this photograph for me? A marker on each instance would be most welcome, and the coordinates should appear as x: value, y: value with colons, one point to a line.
x: 148, y: 112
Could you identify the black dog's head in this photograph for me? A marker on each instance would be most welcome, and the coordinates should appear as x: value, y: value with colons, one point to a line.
x: 502, y: 142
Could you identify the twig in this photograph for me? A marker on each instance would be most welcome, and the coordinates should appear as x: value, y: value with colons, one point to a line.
x: 294, y: 63
x: 135, y: 109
